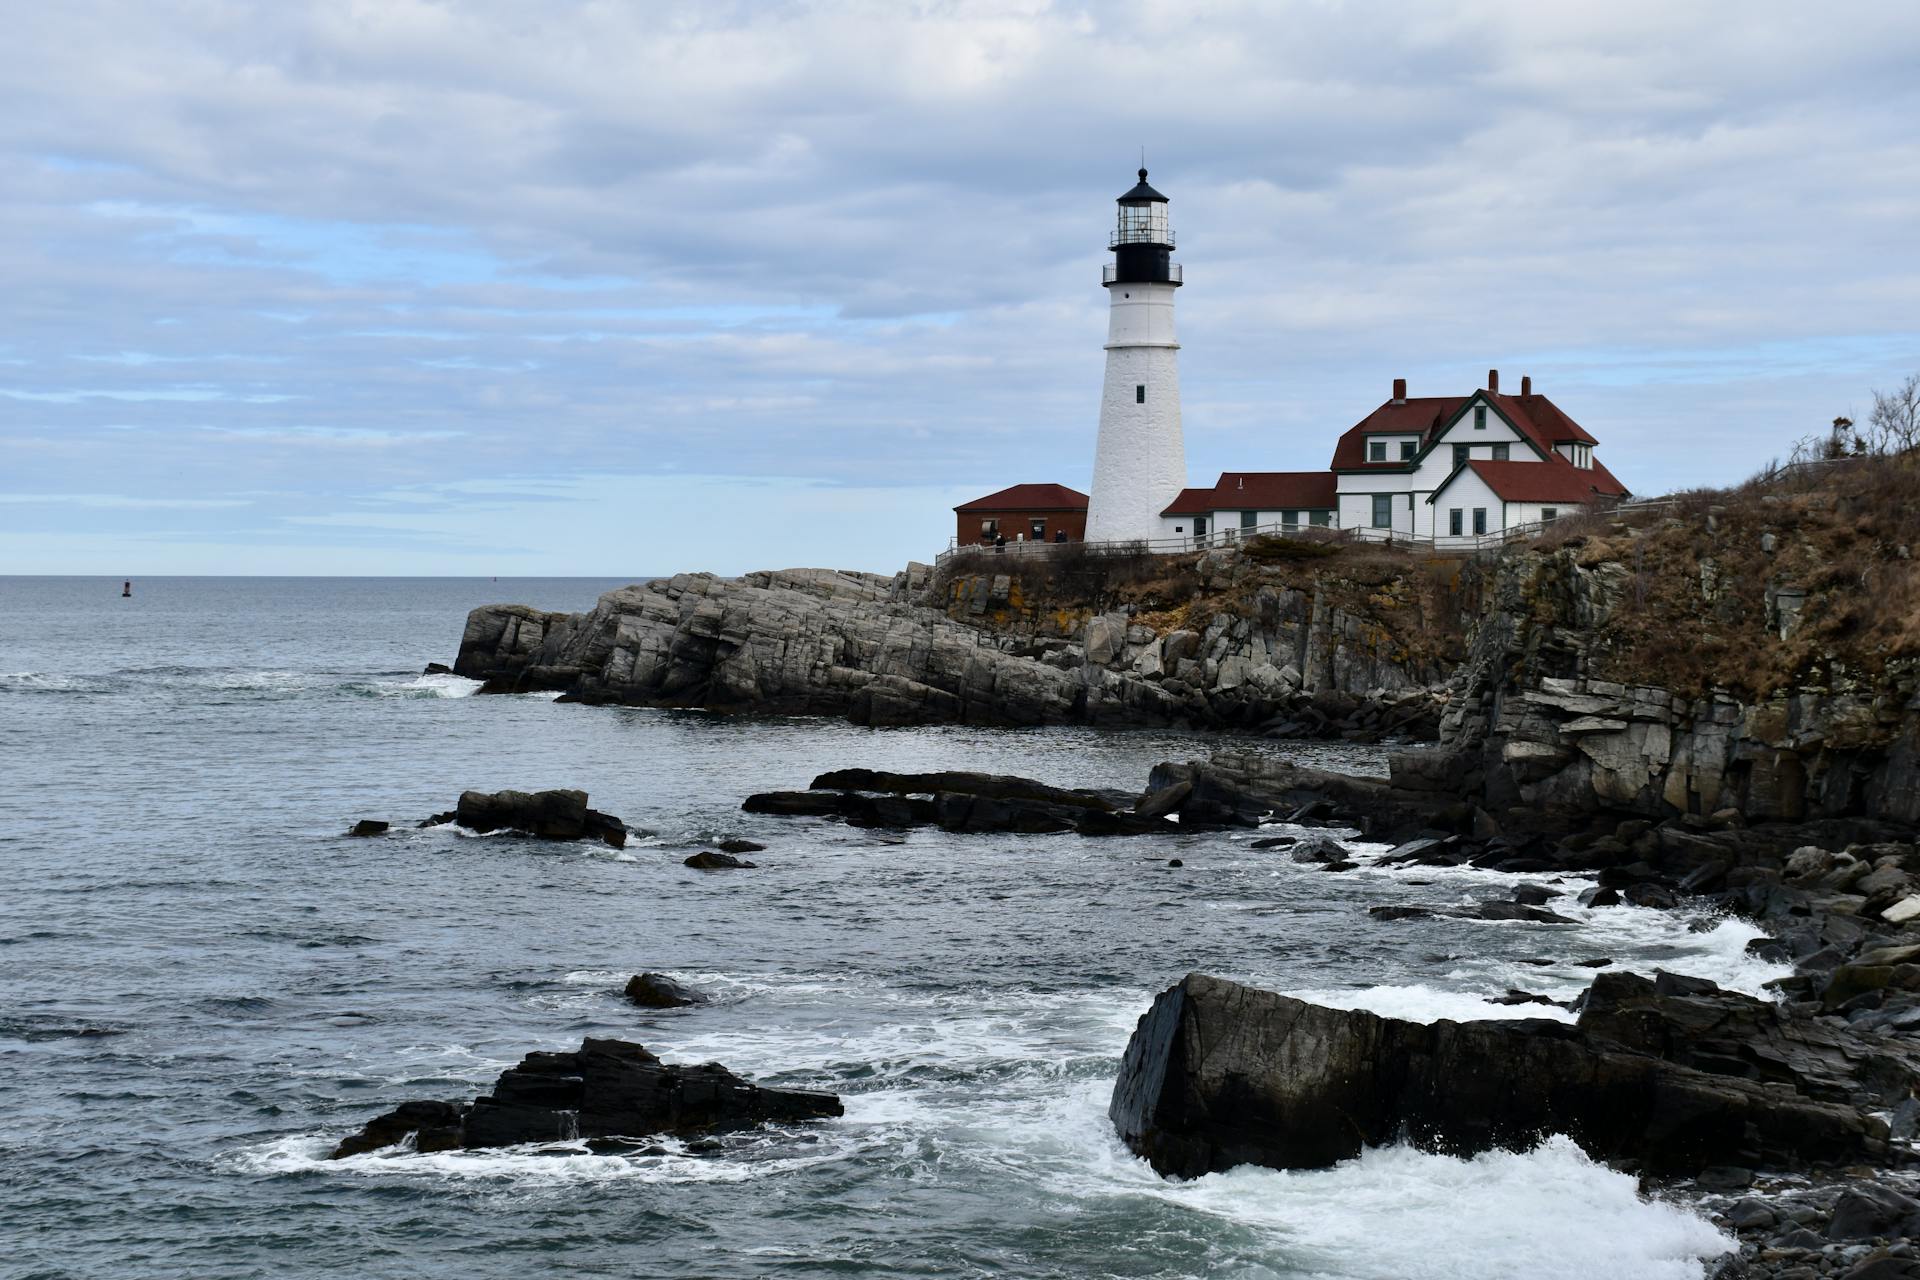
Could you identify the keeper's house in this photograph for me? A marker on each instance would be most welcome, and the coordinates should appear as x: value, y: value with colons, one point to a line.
x: 1446, y: 467
x: 1022, y: 513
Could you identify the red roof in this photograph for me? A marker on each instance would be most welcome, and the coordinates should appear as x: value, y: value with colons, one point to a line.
x: 1029, y: 497
x: 1260, y: 490
x: 1555, y: 480
x: 1533, y: 416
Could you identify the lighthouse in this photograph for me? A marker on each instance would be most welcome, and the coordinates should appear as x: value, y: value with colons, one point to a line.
x: 1140, y: 461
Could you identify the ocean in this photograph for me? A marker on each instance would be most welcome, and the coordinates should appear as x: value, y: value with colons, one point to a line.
x: 204, y: 985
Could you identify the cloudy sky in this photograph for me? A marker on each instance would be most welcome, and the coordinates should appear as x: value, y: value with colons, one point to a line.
x: 590, y: 287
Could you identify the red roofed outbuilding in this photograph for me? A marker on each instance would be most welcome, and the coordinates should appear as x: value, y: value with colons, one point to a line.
x: 1023, y: 512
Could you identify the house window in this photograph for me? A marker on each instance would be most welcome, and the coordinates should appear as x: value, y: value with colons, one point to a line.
x: 1479, y: 519
x: 989, y: 530
x: 1377, y: 451
x: 1408, y: 448
x: 1140, y: 394
x: 1039, y: 528
x: 1199, y: 527
x: 1501, y: 452
x: 1454, y: 525
x: 1383, y: 511
x: 1249, y: 520
x: 1549, y: 514
x: 1461, y: 452
x: 1290, y: 519
x: 1321, y: 518
x: 1479, y: 417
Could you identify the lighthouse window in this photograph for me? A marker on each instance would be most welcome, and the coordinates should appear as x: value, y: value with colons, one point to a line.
x: 1140, y: 394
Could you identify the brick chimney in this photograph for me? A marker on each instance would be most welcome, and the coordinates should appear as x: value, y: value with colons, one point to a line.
x: 1399, y: 390
x: 1493, y: 381
x: 1526, y: 385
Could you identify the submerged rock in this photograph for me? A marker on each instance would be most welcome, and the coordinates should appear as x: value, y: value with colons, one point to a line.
x: 1218, y: 1074
x: 737, y: 845
x: 604, y: 1089
x: 368, y: 827
x: 658, y: 991
x: 706, y: 860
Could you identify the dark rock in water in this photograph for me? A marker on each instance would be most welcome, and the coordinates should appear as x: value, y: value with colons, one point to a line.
x: 1650, y: 895
x: 1273, y: 842
x: 706, y: 860
x: 1218, y: 1075
x: 1510, y: 911
x: 1319, y: 848
x: 435, y: 1126
x: 437, y: 669
x: 1516, y: 996
x: 657, y: 991
x: 1534, y: 895
x: 605, y: 1089
x: 546, y: 815
x: 1600, y: 897
x: 973, y: 803
x: 1867, y: 1209
x: 1175, y: 862
x: 1751, y: 1215
x: 741, y: 846
x: 1400, y: 913
x: 1598, y: 962
x: 370, y: 827
x: 1339, y: 866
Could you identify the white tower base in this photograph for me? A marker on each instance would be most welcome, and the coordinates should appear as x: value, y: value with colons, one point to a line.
x: 1140, y: 462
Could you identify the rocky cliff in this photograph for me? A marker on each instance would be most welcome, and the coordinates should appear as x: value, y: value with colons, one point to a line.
x: 1219, y: 640
x: 1593, y: 683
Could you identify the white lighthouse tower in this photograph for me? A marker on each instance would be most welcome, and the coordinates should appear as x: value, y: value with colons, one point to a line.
x: 1140, y: 462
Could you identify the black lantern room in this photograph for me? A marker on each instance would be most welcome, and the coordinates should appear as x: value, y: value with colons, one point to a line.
x: 1142, y: 241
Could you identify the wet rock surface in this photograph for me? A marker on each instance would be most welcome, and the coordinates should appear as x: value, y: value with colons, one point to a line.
x: 1218, y: 1074
x: 543, y: 815
x: 604, y: 1089
x: 959, y: 802
x: 657, y: 991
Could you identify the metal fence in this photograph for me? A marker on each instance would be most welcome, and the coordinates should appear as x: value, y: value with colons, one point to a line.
x: 1466, y: 544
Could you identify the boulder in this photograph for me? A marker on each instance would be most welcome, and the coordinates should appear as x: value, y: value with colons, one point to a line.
x: 604, y: 1089
x: 545, y: 815
x: 1218, y: 1074
x: 707, y: 860
x: 740, y: 846
x: 1320, y: 848
x: 369, y: 827
x: 1867, y: 1209
x: 657, y: 991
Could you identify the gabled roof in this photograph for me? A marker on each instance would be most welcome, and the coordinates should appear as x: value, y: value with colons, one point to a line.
x: 1260, y: 490
x: 1029, y: 497
x: 1539, y: 420
x: 1555, y: 480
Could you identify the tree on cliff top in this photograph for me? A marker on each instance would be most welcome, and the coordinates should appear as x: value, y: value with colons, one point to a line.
x: 1894, y: 424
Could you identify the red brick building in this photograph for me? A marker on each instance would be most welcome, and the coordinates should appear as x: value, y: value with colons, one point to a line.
x: 1025, y: 512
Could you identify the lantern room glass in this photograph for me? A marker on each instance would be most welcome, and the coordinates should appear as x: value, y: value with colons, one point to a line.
x: 1144, y: 223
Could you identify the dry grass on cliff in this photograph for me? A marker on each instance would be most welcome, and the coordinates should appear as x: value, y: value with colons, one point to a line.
x: 1699, y: 610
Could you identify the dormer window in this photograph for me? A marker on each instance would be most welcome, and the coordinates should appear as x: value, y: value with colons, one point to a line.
x: 1376, y: 451
x: 1407, y: 449
x: 1479, y: 417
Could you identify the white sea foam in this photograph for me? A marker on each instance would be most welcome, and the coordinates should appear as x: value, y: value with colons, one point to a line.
x: 1401, y: 1214
x: 434, y: 686
x: 1420, y: 1003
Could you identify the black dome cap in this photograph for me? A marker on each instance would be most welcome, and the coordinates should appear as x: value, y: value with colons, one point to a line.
x: 1142, y: 194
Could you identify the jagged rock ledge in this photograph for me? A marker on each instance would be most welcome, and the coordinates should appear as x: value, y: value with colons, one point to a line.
x: 874, y: 650
x: 1218, y: 1074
